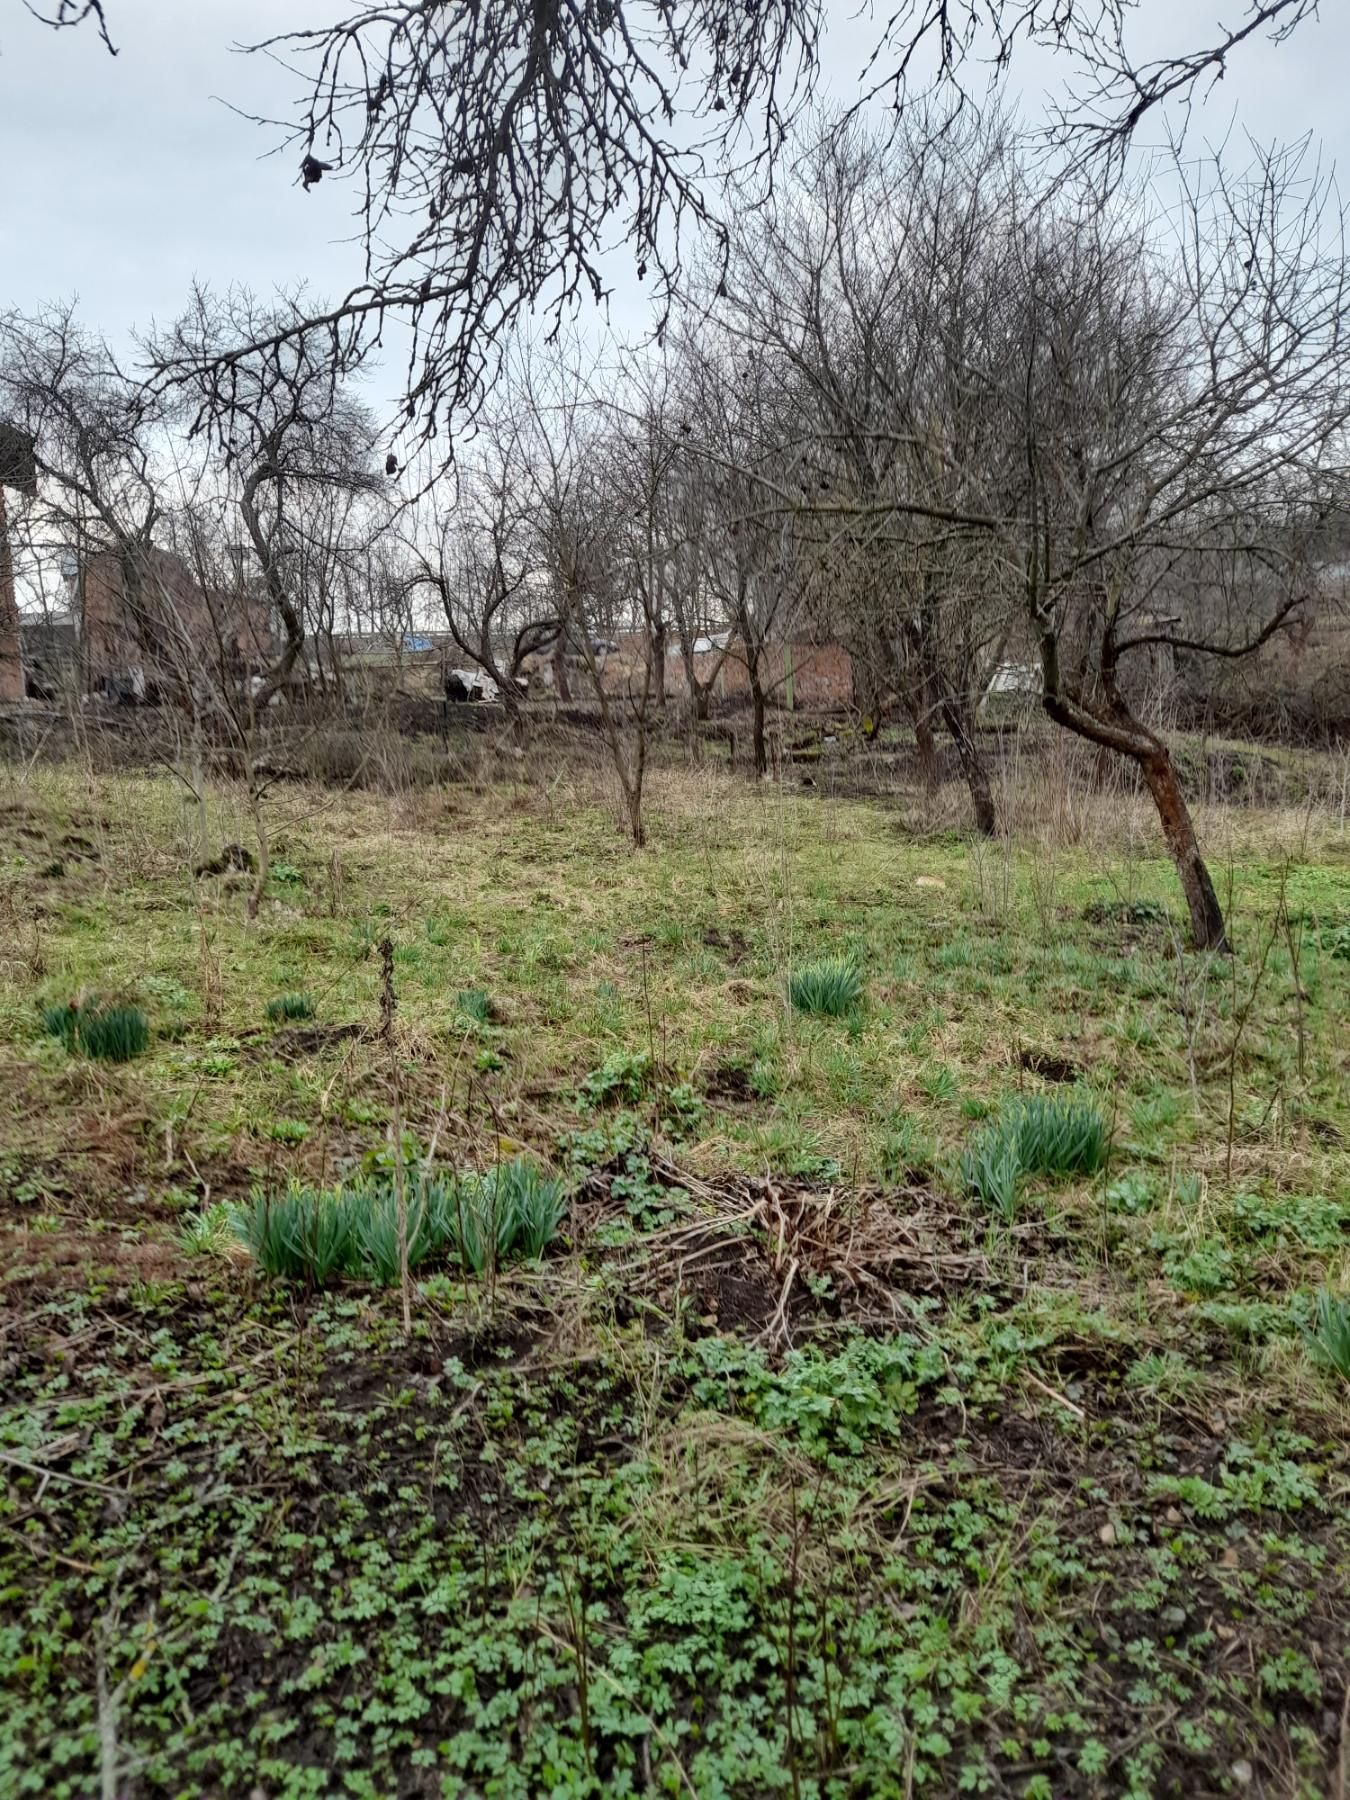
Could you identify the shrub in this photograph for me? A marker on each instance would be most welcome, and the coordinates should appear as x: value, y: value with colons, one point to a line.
x: 1328, y: 1337
x: 831, y: 988
x: 1038, y: 1136
x: 288, y: 1007
x: 112, y: 1034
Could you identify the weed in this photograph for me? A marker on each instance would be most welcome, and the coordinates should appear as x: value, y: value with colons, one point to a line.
x: 61, y: 1022
x: 907, y: 1151
x: 303, y: 1233
x: 209, y: 1232
x: 831, y: 988
x: 682, y: 1110
x: 1060, y: 1136
x: 286, y: 1008
x: 535, y: 1204
x: 623, y: 1076
x: 939, y: 1083
x: 512, y: 1210
x: 373, y: 1211
x: 992, y: 1170
x: 1126, y: 912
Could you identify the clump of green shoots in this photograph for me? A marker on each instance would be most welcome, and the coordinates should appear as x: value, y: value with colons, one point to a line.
x: 301, y: 1234
x: 1037, y: 1136
x: 475, y: 1005
x: 476, y: 1221
x: 1328, y: 1337
x: 113, y: 1034
x: 287, y: 1008
x: 831, y: 988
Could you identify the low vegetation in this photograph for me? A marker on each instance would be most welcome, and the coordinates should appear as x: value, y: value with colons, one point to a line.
x: 942, y: 1395
x: 106, y: 1033
x: 287, y: 1009
x: 832, y: 988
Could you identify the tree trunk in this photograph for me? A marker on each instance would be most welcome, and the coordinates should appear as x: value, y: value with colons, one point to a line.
x: 757, y: 703
x: 561, y: 686
x: 657, y: 654
x: 1207, y: 926
x: 11, y: 638
x: 633, y: 794
x: 972, y: 766
x: 927, y: 748
x: 1124, y: 734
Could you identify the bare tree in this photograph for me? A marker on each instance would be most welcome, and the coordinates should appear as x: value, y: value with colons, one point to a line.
x: 497, y: 150
x: 752, y: 563
x: 471, y: 546
x: 1161, y: 408
x: 849, y: 296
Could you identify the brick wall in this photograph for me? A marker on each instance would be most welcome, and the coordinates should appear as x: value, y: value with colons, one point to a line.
x: 792, y: 675
x: 167, y: 625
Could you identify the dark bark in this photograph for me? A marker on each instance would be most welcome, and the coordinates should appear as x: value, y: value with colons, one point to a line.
x: 1207, y: 925
x: 973, y: 766
x: 1124, y: 734
x: 757, y: 714
x: 657, y: 653
x: 561, y: 686
x: 930, y: 694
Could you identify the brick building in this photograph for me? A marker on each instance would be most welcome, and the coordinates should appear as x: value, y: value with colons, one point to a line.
x: 795, y: 675
x: 146, y: 626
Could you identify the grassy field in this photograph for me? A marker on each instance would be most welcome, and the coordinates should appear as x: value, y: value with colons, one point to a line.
x: 808, y: 1460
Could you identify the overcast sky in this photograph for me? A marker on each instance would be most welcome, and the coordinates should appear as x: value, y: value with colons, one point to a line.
x: 122, y: 180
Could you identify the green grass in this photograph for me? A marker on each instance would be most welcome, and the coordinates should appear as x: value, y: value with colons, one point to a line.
x: 1040, y: 1135
x: 479, y: 1222
x: 768, y: 1446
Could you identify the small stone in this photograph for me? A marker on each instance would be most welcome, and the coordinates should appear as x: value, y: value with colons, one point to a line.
x: 1172, y: 1516
x: 1230, y: 1558
x: 1242, y: 1772
x: 1107, y: 1534
x: 932, y: 881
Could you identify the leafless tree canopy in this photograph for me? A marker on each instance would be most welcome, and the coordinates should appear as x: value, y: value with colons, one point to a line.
x: 501, y: 147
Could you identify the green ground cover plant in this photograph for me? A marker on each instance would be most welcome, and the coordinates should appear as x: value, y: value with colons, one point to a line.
x: 728, y: 1451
